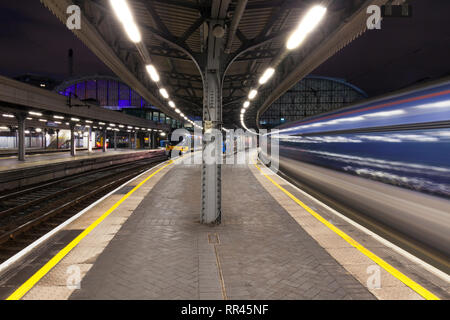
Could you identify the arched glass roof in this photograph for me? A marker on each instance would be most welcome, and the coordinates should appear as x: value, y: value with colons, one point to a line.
x: 311, y: 96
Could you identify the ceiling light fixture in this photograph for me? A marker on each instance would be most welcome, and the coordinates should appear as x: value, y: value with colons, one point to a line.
x: 307, y: 24
x: 266, y: 75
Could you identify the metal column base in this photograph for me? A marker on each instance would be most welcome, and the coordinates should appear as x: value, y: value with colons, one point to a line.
x: 211, y: 194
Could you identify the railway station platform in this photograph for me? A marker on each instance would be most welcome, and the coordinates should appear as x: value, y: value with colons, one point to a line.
x: 44, y: 167
x: 144, y: 241
x: 10, y: 163
x: 10, y: 153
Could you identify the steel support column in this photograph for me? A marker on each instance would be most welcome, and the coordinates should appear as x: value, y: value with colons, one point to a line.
x: 130, y: 145
x: 57, y: 139
x: 21, y: 135
x: 135, y: 140
x: 90, y: 140
x: 73, y: 147
x: 115, y: 140
x: 212, y: 116
x: 153, y: 140
x: 104, y: 140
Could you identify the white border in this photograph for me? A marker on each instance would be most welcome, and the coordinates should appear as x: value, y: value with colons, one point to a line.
x: 444, y: 276
x: 24, y: 252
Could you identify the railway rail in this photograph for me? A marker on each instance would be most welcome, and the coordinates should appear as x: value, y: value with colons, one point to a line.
x: 28, y: 214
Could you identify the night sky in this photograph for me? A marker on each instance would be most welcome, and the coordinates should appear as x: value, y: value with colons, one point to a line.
x: 405, y: 51
x: 33, y: 40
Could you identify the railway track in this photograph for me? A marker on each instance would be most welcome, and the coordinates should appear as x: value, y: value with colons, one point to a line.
x: 26, y: 215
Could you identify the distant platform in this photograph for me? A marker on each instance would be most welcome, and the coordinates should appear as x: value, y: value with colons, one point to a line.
x: 44, y: 167
x: 12, y: 163
x: 6, y: 153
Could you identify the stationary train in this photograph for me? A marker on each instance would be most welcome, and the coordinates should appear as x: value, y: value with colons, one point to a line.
x: 387, y: 159
x: 184, y: 144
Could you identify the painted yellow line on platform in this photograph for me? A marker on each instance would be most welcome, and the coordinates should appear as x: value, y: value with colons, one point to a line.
x: 29, y: 284
x: 386, y: 266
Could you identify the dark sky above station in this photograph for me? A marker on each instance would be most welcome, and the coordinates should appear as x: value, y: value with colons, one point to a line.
x: 403, y: 52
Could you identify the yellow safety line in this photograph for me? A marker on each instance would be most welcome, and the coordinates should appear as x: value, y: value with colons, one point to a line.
x: 29, y: 284
x: 386, y: 266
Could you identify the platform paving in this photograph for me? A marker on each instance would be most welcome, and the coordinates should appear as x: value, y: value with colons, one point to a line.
x: 259, y: 251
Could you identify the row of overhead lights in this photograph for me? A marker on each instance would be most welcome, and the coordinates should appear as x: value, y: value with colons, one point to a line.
x: 308, y: 23
x: 125, y: 16
x: 88, y: 123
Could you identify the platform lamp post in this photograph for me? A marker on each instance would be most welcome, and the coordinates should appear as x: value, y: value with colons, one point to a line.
x: 21, y: 117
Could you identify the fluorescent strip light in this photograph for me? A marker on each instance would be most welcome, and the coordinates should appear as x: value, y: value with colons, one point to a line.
x: 308, y: 24
x: 153, y: 73
x: 164, y: 93
x: 75, y: 119
x: 35, y: 113
x: 252, y: 94
x: 267, y: 75
x: 123, y: 13
x: 172, y: 104
x: 246, y: 104
x: 58, y: 117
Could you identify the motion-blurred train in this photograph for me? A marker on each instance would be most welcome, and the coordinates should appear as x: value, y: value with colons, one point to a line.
x: 401, y: 139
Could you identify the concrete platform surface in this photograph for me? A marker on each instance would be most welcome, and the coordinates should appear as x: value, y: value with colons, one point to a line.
x: 268, y: 247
